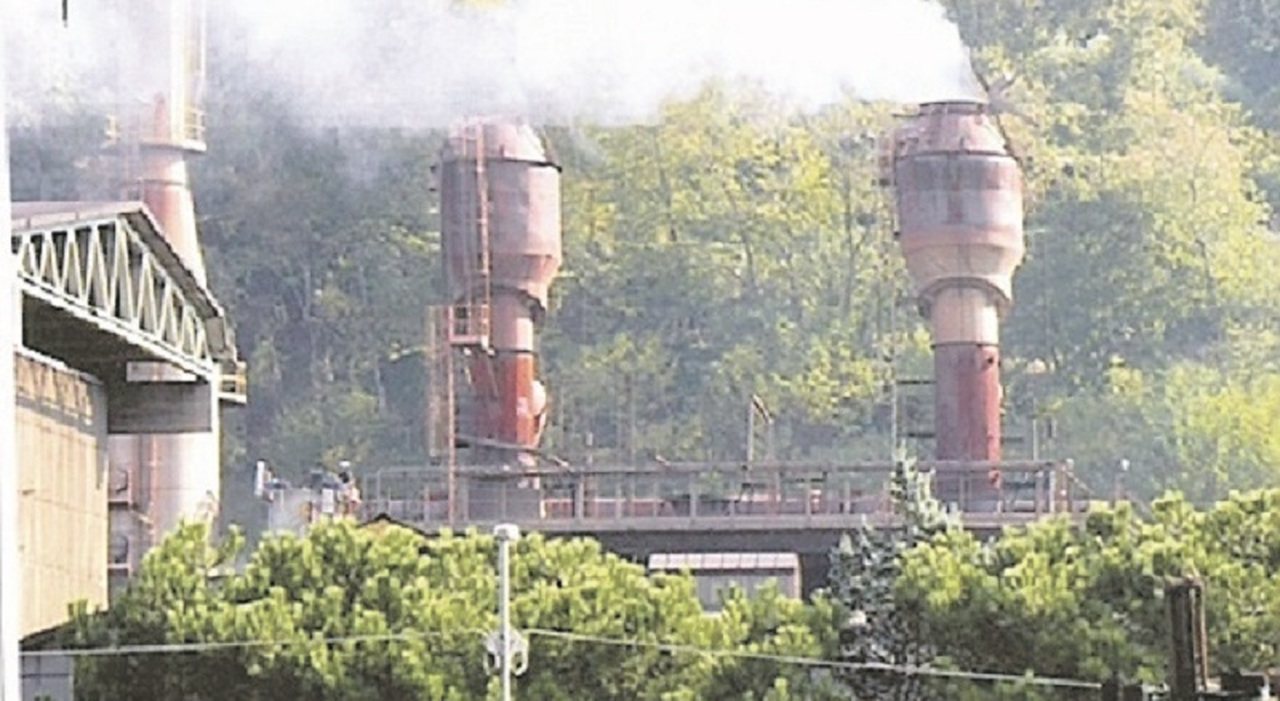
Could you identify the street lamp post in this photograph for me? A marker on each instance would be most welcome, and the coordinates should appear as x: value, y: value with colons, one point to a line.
x: 506, y: 534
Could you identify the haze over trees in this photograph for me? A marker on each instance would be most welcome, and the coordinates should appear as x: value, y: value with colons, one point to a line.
x: 737, y: 245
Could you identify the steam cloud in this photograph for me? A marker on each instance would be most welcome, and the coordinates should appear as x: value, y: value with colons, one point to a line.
x: 419, y: 63
x: 605, y: 60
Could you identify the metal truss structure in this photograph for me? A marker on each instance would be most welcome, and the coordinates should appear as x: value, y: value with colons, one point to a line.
x: 107, y: 265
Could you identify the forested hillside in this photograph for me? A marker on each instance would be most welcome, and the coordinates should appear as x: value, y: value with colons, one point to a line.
x: 738, y: 245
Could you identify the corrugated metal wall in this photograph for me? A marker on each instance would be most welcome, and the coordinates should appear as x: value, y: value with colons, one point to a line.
x: 62, y: 448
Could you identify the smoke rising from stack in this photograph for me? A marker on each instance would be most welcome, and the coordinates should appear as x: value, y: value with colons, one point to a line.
x: 422, y: 63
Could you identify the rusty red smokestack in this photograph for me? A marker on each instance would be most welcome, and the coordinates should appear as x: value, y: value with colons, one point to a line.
x: 959, y: 207
x: 500, y: 220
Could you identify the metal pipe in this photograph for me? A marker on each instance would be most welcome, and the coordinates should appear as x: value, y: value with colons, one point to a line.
x: 965, y: 467
x: 10, y: 337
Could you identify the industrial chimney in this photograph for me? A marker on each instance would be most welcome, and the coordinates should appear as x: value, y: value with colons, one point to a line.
x: 959, y: 210
x: 500, y: 224
x: 160, y: 124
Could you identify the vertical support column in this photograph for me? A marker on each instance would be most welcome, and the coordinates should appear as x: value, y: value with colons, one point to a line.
x: 967, y: 401
x: 10, y: 337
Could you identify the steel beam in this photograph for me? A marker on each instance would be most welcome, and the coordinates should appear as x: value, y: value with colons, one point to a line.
x: 106, y: 272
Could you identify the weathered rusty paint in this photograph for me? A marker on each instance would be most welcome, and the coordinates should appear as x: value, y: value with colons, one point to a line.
x: 165, y: 188
x: 959, y: 211
x: 959, y: 201
x: 511, y: 199
x: 523, y: 212
x: 967, y: 414
x: 504, y: 404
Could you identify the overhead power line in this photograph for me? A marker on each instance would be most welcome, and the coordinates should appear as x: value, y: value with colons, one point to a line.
x: 906, y: 670
x: 177, y: 648
x: 673, y: 648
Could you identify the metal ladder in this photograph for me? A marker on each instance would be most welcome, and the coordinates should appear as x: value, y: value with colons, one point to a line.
x: 468, y: 318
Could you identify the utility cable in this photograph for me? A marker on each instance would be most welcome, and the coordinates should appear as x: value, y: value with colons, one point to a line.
x: 674, y: 648
x: 173, y: 648
x: 908, y: 670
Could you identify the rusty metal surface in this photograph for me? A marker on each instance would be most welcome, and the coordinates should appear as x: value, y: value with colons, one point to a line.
x: 500, y: 223
x: 708, y: 496
x: 164, y: 187
x: 968, y: 387
x: 959, y: 200
x: 523, y: 212
x: 502, y: 402
x: 959, y: 211
x: 967, y: 413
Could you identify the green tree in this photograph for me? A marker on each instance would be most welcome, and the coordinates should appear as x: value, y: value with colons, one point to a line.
x: 880, y: 628
x: 1148, y: 250
x: 1085, y: 603
x: 361, y: 613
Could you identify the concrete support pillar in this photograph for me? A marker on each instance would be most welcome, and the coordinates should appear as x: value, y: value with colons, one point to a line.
x: 164, y: 433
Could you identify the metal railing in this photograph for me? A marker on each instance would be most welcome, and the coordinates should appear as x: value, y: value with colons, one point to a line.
x: 695, y: 495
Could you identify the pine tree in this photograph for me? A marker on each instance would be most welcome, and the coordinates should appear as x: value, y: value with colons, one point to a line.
x: 864, y: 567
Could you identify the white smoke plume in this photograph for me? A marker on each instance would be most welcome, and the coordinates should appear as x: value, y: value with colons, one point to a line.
x: 429, y: 61
x: 423, y: 63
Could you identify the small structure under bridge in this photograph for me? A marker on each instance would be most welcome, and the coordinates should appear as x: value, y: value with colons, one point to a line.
x: 637, y: 511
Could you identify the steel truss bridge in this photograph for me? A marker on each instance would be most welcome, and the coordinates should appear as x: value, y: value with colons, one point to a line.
x: 102, y: 289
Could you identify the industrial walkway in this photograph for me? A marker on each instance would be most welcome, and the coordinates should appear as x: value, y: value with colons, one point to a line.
x: 636, y: 512
x: 701, y: 497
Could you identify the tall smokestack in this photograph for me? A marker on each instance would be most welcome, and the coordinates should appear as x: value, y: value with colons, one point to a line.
x: 161, y: 121
x: 500, y: 222
x: 959, y: 208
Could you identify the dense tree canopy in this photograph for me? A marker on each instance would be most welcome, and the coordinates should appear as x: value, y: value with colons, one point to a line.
x: 1087, y: 603
x: 380, y: 612
x: 737, y: 246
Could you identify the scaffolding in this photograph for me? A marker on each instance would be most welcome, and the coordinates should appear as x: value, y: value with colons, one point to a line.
x: 460, y: 330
